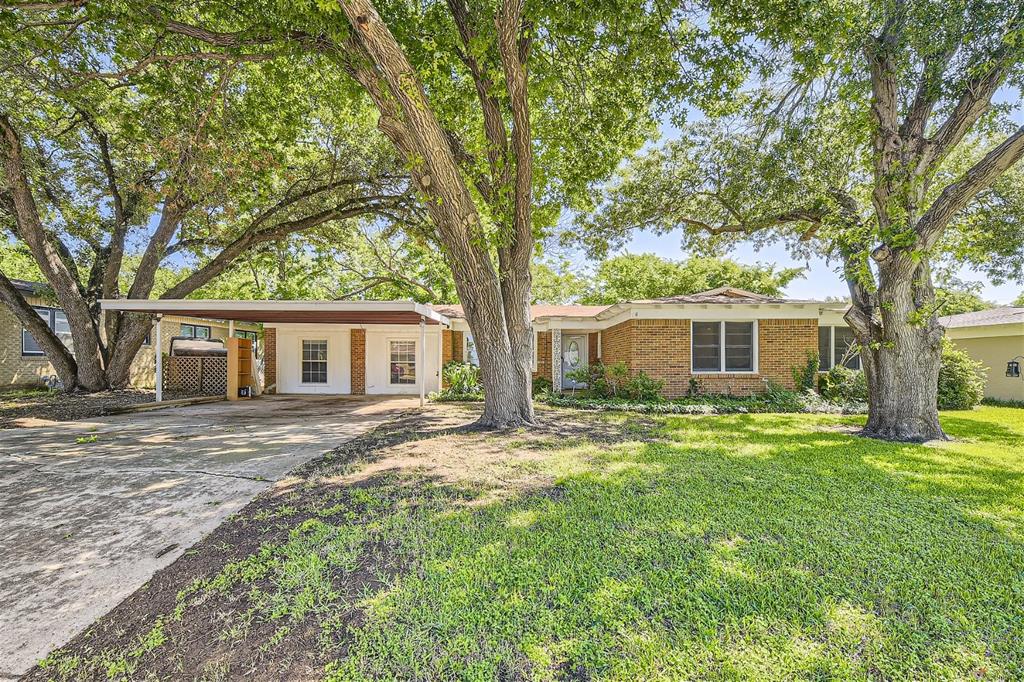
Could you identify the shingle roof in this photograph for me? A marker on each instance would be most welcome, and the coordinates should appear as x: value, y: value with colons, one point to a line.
x: 536, y: 311
x: 1002, y: 315
x: 27, y: 286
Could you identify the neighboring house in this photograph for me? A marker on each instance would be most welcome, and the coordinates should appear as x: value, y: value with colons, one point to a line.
x: 22, y: 362
x: 727, y: 339
x: 994, y: 338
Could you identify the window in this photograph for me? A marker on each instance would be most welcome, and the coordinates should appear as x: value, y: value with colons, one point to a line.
x: 723, y: 346
x: 252, y: 336
x: 837, y: 346
x: 195, y: 331
x: 314, y: 362
x: 469, y: 350
x: 403, y: 362
x: 57, y: 321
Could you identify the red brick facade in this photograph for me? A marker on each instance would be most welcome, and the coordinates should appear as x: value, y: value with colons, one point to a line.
x: 358, y: 355
x: 270, y: 359
x: 661, y: 349
x: 543, y: 356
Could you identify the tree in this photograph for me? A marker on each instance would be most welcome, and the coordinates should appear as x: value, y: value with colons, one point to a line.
x: 633, y: 277
x: 882, y: 152
x: 956, y: 300
x: 1019, y: 301
x: 461, y: 91
x: 111, y: 169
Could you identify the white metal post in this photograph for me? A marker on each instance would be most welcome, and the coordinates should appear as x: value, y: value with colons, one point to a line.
x: 420, y: 367
x: 159, y: 348
x: 231, y: 329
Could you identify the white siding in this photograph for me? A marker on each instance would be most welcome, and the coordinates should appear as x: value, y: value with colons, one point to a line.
x: 378, y: 364
x: 289, y: 358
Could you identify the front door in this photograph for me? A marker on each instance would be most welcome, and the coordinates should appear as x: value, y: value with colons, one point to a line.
x: 574, y: 357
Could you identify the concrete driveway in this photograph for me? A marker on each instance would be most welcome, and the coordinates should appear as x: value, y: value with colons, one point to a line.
x: 90, y: 510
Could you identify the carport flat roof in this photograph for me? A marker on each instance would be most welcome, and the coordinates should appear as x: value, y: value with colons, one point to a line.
x: 337, y: 312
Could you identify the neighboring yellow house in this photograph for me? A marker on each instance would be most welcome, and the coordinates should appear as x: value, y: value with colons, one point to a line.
x: 22, y: 363
x: 994, y: 338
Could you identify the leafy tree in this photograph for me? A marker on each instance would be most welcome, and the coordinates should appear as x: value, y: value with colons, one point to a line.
x: 114, y: 171
x: 884, y: 151
x: 555, y: 283
x: 1019, y: 301
x: 643, y: 276
x: 956, y: 300
x: 503, y: 113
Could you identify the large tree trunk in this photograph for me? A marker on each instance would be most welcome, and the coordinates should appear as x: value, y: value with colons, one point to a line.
x: 901, y: 351
x: 63, y: 362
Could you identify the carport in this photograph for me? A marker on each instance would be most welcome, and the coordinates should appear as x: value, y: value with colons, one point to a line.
x: 318, y: 347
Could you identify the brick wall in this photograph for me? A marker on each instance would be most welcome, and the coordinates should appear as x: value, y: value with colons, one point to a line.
x: 661, y: 348
x: 592, y: 346
x: 270, y: 359
x: 543, y: 356
x: 358, y: 359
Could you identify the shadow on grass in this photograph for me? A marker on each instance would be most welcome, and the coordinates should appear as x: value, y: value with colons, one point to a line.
x: 750, y: 547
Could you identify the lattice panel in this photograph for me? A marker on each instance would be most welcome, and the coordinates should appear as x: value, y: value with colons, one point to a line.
x: 196, y: 376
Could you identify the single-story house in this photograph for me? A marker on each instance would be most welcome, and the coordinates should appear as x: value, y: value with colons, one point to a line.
x: 995, y: 338
x: 23, y: 363
x: 727, y: 339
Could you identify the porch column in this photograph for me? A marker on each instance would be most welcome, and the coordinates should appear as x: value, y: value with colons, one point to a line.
x: 158, y: 346
x: 556, y: 360
x: 421, y: 374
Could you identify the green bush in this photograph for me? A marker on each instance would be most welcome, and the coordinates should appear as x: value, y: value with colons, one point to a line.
x: 541, y: 386
x: 805, y: 377
x: 642, y: 388
x: 843, y: 386
x: 961, y: 379
x: 463, y: 381
x: 603, y: 381
x: 774, y: 400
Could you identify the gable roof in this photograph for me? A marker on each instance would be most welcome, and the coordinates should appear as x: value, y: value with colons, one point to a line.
x: 722, y: 295
x: 28, y: 287
x: 1002, y: 315
x: 455, y: 311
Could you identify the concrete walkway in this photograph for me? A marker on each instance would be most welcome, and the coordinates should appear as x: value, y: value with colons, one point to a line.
x: 90, y: 510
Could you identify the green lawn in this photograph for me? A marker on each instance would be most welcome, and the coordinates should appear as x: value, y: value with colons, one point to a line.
x: 725, y: 547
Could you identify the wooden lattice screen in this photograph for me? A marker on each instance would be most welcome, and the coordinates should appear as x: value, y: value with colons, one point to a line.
x: 196, y: 375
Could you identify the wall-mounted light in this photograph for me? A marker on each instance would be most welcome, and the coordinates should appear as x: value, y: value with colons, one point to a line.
x: 1013, y: 367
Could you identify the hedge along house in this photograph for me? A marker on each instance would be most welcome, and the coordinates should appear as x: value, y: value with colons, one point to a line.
x: 23, y: 363
x: 329, y: 347
x: 725, y: 340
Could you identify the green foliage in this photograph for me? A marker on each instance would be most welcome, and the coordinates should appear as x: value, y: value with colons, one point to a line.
x: 961, y: 379
x: 463, y: 383
x: 953, y: 301
x: 603, y: 381
x: 642, y: 388
x: 774, y: 400
x: 805, y: 377
x: 844, y: 386
x: 541, y: 386
x: 643, y: 276
x: 1019, y: 301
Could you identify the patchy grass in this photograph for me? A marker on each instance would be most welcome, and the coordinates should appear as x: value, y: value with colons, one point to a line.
x: 603, y: 547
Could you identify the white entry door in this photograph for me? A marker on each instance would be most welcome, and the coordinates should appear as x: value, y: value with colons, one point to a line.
x: 574, y: 356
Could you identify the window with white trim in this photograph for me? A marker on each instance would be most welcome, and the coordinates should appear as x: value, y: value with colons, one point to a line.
x: 723, y: 346
x: 314, y: 361
x: 469, y: 350
x: 837, y: 346
x: 402, y: 355
x: 57, y: 321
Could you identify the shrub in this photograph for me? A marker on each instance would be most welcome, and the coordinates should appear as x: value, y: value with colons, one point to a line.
x: 463, y: 381
x: 805, y: 377
x: 961, y: 379
x: 844, y: 386
x: 541, y: 386
x: 603, y: 381
x: 643, y: 388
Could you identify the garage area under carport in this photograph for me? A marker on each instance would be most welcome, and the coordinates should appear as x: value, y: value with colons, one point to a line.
x: 92, y: 509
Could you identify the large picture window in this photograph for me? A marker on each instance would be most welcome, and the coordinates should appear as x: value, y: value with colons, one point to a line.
x: 837, y: 346
x: 723, y: 347
x: 403, y: 362
x: 314, y: 361
x: 57, y: 321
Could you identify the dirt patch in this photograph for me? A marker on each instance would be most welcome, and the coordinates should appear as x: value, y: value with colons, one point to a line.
x: 271, y: 594
x: 20, y: 407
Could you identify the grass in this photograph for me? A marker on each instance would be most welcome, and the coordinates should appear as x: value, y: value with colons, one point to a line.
x: 724, y: 547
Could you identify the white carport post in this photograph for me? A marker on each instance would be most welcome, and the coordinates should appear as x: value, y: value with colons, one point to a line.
x: 422, y: 355
x: 159, y: 348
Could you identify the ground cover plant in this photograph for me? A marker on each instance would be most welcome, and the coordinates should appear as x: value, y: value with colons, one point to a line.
x: 603, y: 546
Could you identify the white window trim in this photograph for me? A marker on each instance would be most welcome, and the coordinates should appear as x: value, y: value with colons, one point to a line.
x: 721, y: 349
x: 327, y: 342
x: 832, y: 347
x: 533, y: 359
x: 415, y: 358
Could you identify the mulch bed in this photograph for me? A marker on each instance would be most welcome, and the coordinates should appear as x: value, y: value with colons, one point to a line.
x: 60, y: 406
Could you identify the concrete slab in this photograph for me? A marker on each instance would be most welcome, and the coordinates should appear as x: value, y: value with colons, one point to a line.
x: 90, y: 510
